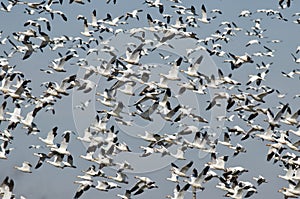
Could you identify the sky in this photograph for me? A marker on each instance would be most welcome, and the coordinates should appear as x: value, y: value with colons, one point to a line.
x: 51, y: 182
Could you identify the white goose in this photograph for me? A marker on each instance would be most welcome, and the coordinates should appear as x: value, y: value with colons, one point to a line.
x: 181, y: 172
x: 196, y: 179
x: 204, y: 18
x: 26, y: 167
x: 179, y: 193
x: 50, y: 137
x: 62, y: 149
x: 193, y: 68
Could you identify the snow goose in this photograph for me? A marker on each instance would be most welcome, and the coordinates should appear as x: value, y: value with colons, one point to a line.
x: 116, y: 111
x: 50, y: 137
x: 62, y: 149
x: 257, y: 78
x: 198, y: 142
x: 274, y: 121
x: 133, y: 56
x: 3, y: 150
x: 2, y: 108
x: 15, y: 117
x: 8, y: 8
x: 179, y: 193
x: 289, y: 173
x: 196, y: 179
x: 260, y: 179
x: 127, y: 195
x: 42, y: 158
x: 26, y: 167
x: 6, y: 188
x: 147, y: 113
x: 156, y: 4
x: 218, y: 163
x: 182, y: 171
x: 84, y: 186
x: 86, y: 32
x: 57, y: 161
x: 120, y: 177
x: 173, y: 73
x: 204, y: 18
x: 193, y: 68
x: 58, y: 64
x: 267, y: 135
x: 86, y: 136
x: 291, y: 119
x: 226, y: 140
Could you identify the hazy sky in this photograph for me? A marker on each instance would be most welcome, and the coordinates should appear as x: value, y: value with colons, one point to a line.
x: 51, y: 182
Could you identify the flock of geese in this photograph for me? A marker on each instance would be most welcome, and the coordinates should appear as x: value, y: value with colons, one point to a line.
x: 249, y: 102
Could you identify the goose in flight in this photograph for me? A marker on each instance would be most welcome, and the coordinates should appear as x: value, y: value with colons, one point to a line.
x: 156, y: 4
x: 8, y: 8
x: 115, y: 112
x: 147, y: 113
x: 62, y: 149
x: 4, y: 150
x: 291, y: 119
x: 173, y: 73
x: 133, y: 56
x: 6, y: 188
x: 58, y: 64
x: 110, y: 21
x: 26, y: 167
x: 218, y: 96
x: 193, y: 68
x: 2, y: 108
x: 181, y: 171
x: 120, y: 177
x: 218, y: 163
x: 260, y: 179
x: 274, y: 121
x: 50, y: 137
x: 296, y: 60
x: 179, y: 192
x: 239, y: 60
x: 84, y: 186
x: 196, y: 179
x: 204, y: 18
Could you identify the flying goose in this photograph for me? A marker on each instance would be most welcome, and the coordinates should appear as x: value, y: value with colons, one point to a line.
x: 173, y: 73
x: 179, y: 193
x: 156, y: 4
x: 120, y: 177
x: 133, y: 56
x: 291, y: 119
x: 193, y: 68
x: 26, y: 167
x: 181, y: 171
x: 58, y: 64
x: 218, y: 163
x: 226, y: 141
x: 147, y: 113
x: 196, y: 179
x: 62, y: 149
x: 296, y: 60
x: 84, y: 186
x: 4, y: 150
x: 6, y: 188
x: 274, y: 121
x: 50, y: 137
x: 204, y: 18
x: 260, y: 179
